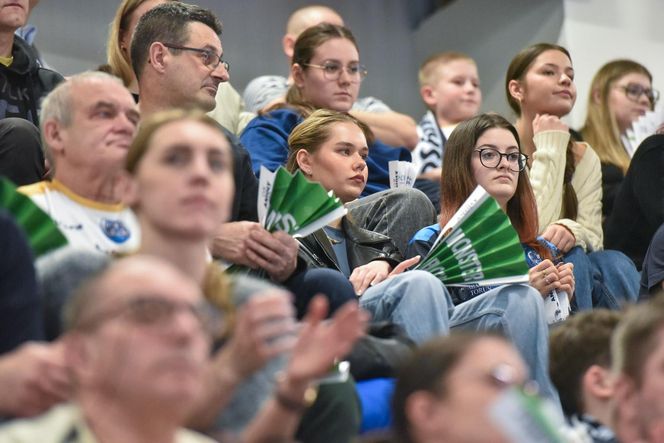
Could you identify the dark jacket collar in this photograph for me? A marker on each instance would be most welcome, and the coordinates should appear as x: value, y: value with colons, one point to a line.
x: 362, y: 246
x: 25, y: 59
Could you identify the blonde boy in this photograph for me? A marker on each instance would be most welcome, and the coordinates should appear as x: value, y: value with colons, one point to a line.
x: 450, y: 87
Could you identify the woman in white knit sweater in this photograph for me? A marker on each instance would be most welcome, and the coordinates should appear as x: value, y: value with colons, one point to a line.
x: 566, y: 176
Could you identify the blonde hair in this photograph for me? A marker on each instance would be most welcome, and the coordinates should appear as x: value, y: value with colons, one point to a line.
x: 428, y: 74
x: 315, y: 130
x: 217, y: 290
x: 120, y: 65
x: 601, y: 127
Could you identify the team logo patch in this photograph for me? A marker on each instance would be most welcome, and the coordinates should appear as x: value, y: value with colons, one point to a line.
x: 115, y: 230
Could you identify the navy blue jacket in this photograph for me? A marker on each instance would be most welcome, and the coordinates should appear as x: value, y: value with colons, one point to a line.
x: 266, y: 139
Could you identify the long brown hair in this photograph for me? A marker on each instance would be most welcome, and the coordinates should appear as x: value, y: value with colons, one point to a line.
x: 601, y: 128
x: 458, y: 181
x: 517, y: 70
x: 303, y: 52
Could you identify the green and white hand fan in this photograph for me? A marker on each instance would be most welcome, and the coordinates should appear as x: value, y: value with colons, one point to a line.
x: 291, y: 203
x: 477, y: 246
x: 40, y: 229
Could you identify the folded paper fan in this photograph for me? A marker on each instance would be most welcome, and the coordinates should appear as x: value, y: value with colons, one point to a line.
x: 477, y: 246
x: 402, y: 174
x: 293, y: 204
x: 40, y: 229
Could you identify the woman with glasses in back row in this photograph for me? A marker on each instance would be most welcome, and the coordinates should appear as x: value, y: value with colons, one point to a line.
x: 620, y: 93
x: 566, y: 176
x: 327, y: 74
x: 634, y: 187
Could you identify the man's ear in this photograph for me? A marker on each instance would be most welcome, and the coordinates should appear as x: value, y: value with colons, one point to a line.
x: 288, y: 43
x: 77, y: 353
x: 158, y: 56
x: 298, y: 74
x: 598, y: 382
x: 428, y: 96
x: 516, y: 90
x: 52, y: 133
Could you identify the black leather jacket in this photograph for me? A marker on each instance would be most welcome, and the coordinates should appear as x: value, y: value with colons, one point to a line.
x: 362, y: 247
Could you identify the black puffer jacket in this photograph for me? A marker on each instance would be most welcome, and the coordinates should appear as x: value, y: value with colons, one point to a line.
x: 362, y: 247
x: 24, y: 84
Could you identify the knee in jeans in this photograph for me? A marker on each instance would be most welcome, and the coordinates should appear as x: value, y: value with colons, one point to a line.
x: 522, y: 299
x: 422, y: 279
x: 611, y: 261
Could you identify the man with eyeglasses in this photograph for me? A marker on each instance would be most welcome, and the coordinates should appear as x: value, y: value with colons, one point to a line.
x: 177, y: 56
x: 136, y: 348
x: 137, y: 351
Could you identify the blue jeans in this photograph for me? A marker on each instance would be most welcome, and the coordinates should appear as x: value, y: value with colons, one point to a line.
x: 421, y: 305
x: 605, y: 279
x: 517, y: 311
x: 415, y: 300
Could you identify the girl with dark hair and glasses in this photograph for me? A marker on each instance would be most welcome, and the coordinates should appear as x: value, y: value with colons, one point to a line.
x: 565, y: 176
x: 485, y: 151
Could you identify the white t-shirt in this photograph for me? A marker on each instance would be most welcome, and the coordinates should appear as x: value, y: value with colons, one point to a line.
x: 106, y: 228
